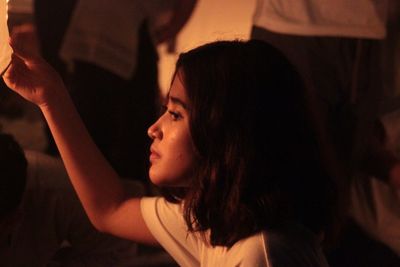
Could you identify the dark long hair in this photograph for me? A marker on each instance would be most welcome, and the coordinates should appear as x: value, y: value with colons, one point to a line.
x: 259, y: 163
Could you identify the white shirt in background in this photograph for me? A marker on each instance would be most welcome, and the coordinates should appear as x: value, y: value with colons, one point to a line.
x: 340, y: 18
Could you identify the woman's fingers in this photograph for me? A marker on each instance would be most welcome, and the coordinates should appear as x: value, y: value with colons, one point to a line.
x: 22, y: 41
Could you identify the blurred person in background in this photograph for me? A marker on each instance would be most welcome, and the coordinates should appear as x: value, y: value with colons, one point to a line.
x: 42, y: 222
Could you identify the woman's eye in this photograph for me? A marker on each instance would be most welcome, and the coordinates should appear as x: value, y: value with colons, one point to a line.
x: 174, y: 115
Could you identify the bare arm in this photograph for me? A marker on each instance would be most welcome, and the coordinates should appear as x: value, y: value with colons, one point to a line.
x: 96, y: 183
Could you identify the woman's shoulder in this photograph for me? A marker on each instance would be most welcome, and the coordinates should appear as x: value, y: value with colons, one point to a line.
x: 249, y: 251
x: 253, y: 250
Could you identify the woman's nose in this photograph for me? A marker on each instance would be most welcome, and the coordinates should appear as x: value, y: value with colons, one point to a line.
x: 154, y: 131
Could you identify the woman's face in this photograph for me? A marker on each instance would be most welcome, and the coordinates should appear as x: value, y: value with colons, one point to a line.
x: 173, y: 154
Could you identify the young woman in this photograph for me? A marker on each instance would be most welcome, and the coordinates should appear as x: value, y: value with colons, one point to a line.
x: 234, y: 152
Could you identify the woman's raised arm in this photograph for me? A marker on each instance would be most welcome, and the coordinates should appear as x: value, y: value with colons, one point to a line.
x: 95, y: 182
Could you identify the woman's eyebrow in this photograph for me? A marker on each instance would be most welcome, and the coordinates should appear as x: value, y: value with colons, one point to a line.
x: 178, y: 101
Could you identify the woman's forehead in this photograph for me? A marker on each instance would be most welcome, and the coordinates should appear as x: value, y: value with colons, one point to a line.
x: 177, y: 92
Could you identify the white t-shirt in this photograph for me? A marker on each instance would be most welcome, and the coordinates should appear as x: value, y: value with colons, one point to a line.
x: 166, y: 223
x: 106, y: 34
x: 341, y: 18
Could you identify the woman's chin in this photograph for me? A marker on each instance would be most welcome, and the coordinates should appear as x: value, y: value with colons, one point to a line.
x: 165, y: 181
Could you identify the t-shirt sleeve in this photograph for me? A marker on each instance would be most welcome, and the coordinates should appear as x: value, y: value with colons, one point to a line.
x: 166, y: 223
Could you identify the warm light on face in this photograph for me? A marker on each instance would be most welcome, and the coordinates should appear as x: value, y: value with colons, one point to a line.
x: 5, y: 49
x: 172, y: 151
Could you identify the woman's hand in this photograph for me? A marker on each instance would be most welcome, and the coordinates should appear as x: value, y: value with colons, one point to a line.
x: 29, y: 75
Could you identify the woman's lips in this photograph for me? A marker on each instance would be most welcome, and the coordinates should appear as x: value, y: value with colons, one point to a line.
x: 153, y: 154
